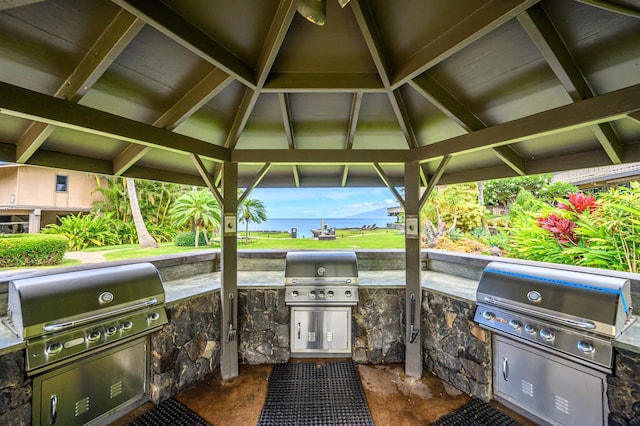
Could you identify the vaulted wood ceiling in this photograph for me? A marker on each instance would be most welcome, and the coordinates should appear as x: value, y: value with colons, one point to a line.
x: 168, y: 90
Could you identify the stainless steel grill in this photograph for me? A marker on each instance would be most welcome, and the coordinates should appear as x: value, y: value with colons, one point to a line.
x: 321, y: 287
x: 86, y: 335
x: 553, y: 332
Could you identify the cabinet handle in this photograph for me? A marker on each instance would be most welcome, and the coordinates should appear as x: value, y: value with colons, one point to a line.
x: 53, y: 409
x: 299, y: 331
x: 505, y: 369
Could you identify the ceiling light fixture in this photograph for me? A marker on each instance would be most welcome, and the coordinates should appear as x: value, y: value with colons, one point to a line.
x: 316, y: 10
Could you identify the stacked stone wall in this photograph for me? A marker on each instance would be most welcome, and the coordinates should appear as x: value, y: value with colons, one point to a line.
x: 456, y: 349
x: 379, y: 326
x: 263, y: 326
x: 623, y: 390
x: 186, y: 349
x: 15, y: 391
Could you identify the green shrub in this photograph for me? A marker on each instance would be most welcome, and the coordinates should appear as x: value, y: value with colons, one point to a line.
x: 32, y: 250
x: 188, y: 239
x: 86, y: 230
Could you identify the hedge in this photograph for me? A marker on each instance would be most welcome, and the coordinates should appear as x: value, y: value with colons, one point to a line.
x: 32, y: 249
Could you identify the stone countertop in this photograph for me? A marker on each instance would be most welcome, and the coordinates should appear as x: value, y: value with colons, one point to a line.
x: 630, y: 339
x: 9, y: 342
x: 461, y: 288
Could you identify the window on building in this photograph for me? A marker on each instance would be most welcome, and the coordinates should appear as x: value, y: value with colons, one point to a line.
x: 61, y: 183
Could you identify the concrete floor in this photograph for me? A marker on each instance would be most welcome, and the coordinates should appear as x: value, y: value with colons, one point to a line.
x: 394, y: 399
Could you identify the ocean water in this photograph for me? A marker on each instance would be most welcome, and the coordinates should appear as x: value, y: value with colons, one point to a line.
x: 304, y: 226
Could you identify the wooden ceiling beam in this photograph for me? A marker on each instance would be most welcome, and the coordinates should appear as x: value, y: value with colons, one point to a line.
x: 256, y: 181
x: 273, y: 41
x: 283, y: 99
x: 10, y: 4
x: 323, y: 83
x: 366, y: 23
x: 169, y: 23
x: 596, y: 110
x: 435, y: 178
x: 389, y: 184
x: 487, y: 18
x: 356, y: 103
x: 544, y: 35
x: 22, y: 103
x: 111, y: 42
x: 206, y: 89
x: 454, y: 109
x: 320, y: 156
x: 206, y: 177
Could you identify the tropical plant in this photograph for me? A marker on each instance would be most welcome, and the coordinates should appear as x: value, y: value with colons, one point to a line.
x: 251, y: 210
x: 582, y: 230
x: 502, y: 192
x: 198, y: 207
x: 85, y: 230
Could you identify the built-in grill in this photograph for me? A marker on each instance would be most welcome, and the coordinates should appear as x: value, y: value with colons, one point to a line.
x: 321, y: 287
x: 86, y: 333
x: 553, y: 332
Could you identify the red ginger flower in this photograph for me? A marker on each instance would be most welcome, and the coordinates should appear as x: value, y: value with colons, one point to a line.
x: 579, y: 203
x: 562, y: 229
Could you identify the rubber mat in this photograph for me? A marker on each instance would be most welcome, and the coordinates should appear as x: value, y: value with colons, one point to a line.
x: 315, y: 394
x: 476, y: 413
x: 169, y: 413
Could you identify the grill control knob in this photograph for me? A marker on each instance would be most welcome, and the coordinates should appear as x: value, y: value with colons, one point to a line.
x: 330, y: 293
x: 125, y: 326
x: 347, y: 293
x: 547, y: 334
x: 586, y: 347
x: 54, y: 348
x: 515, y: 324
x: 295, y: 293
x: 154, y: 316
x: 489, y: 316
x: 93, y: 336
x: 321, y: 295
x: 312, y: 294
x: 111, y: 330
x: 530, y: 329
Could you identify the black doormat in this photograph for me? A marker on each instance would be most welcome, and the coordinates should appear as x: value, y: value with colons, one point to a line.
x: 476, y: 413
x: 169, y: 413
x: 310, y: 394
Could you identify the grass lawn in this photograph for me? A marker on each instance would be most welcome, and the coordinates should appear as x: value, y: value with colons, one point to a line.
x: 349, y: 239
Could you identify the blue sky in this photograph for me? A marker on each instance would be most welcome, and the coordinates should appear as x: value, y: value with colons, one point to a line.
x: 322, y: 202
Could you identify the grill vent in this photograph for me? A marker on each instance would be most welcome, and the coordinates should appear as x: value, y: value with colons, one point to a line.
x: 82, y: 406
x: 311, y: 336
x: 561, y: 404
x: 116, y: 389
x: 329, y: 336
x: 527, y: 388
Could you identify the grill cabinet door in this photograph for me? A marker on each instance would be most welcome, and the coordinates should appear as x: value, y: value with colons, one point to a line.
x: 554, y: 389
x: 87, y: 390
x: 316, y: 331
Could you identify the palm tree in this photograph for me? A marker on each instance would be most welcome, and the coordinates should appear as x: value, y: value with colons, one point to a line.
x: 251, y: 211
x: 144, y: 238
x: 199, y: 207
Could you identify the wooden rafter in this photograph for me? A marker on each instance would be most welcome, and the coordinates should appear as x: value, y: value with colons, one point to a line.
x: 547, y: 39
x: 288, y: 131
x: 165, y: 20
x: 192, y: 101
x: 596, y: 110
x: 18, y: 102
x: 454, y: 109
x: 111, y: 42
x: 389, y: 184
x: 206, y: 177
x: 351, y: 130
x: 493, y: 14
x: 256, y: 181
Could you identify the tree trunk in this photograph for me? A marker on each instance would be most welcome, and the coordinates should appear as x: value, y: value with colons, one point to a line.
x: 144, y: 238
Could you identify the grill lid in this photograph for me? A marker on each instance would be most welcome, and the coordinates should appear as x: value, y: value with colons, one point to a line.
x: 335, y: 267
x: 591, y: 302
x: 51, y: 303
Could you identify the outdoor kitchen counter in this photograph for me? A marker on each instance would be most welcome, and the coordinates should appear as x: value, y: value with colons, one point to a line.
x: 9, y: 342
x: 630, y: 339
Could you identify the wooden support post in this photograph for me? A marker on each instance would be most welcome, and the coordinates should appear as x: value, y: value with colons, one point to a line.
x: 413, y: 337
x: 229, y: 263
